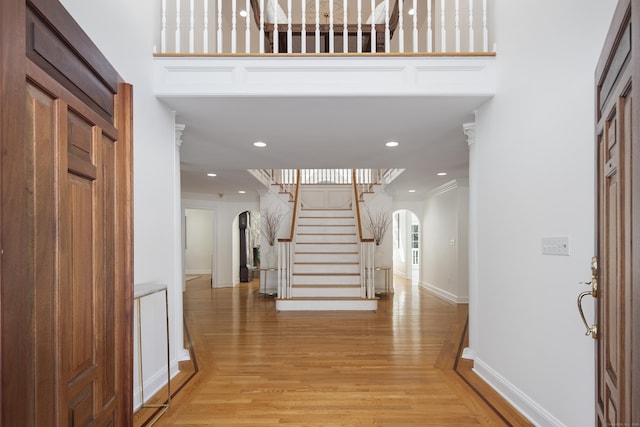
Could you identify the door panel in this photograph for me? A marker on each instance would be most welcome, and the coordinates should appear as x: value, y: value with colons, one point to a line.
x: 616, y: 369
x: 66, y: 286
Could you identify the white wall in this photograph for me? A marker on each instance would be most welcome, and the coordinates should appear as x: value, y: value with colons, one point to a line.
x: 124, y: 32
x: 199, y: 241
x: 444, y: 242
x: 535, y: 166
x: 226, y: 260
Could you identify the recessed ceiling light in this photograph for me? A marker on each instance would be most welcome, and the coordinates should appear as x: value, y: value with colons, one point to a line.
x: 412, y: 191
x: 442, y: 174
x: 259, y: 144
x: 243, y: 13
x: 411, y: 12
x: 392, y: 144
x: 241, y: 192
x: 212, y: 174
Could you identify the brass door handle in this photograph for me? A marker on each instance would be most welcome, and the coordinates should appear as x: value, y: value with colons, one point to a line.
x: 593, y: 329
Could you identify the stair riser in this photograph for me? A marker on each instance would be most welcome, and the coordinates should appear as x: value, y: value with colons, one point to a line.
x: 325, y: 238
x: 322, y: 305
x: 342, y: 229
x: 325, y: 212
x: 326, y: 221
x: 326, y: 247
x: 326, y: 268
x: 325, y: 280
x: 306, y: 292
x: 327, y: 257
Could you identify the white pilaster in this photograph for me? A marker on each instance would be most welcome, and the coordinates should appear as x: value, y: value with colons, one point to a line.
x: 470, y: 131
x: 179, y: 287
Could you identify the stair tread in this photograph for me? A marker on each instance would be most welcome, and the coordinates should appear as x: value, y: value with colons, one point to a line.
x: 326, y: 243
x: 326, y: 274
x: 326, y: 262
x: 326, y: 234
x: 325, y: 217
x: 326, y: 252
x: 324, y: 286
x: 327, y: 299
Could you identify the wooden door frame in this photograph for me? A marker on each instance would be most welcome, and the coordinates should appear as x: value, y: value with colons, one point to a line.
x: 624, y: 9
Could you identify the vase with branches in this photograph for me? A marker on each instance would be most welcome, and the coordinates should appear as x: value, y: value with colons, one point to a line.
x: 377, y: 224
x: 270, y: 220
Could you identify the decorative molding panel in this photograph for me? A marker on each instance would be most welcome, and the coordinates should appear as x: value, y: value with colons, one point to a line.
x: 339, y: 76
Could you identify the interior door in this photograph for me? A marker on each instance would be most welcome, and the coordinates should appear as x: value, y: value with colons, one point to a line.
x: 615, y: 282
x: 66, y: 289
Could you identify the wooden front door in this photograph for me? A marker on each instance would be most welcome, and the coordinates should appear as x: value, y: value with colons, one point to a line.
x: 617, y: 310
x: 66, y: 290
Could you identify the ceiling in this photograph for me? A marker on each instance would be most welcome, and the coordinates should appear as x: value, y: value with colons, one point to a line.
x: 322, y: 132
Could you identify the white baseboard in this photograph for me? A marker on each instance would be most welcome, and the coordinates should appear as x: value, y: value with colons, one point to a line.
x: 198, y: 271
x: 153, y: 384
x: 516, y: 397
x: 400, y: 274
x: 445, y: 295
x: 183, y: 354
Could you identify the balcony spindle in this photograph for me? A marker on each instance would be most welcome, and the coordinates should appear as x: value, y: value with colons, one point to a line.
x: 163, y: 28
x: 471, y: 34
x: 415, y: 27
x: 178, y: 26
x: 457, y: 25
x: 205, y: 31
x: 317, y: 37
x: 429, y: 28
x: 360, y: 26
x: 219, y: 32
x: 345, y: 28
x: 261, y: 36
x: 234, y: 26
x: 373, y: 26
x: 331, y: 33
x: 387, y: 30
x: 247, y: 27
x: 443, y: 27
x: 276, y: 36
x: 289, y: 28
x: 192, y: 21
x: 401, y: 27
x: 303, y: 40
x: 485, y: 32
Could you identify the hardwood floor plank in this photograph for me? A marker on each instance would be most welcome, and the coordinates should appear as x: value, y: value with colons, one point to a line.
x: 392, y: 368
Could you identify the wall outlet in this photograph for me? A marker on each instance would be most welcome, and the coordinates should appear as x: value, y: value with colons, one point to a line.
x: 555, y: 245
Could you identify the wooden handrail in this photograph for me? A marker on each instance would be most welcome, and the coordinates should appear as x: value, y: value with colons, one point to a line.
x: 357, y: 201
x: 295, y: 210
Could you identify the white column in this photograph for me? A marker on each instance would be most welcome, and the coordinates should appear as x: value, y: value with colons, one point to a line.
x: 175, y: 295
x: 470, y: 132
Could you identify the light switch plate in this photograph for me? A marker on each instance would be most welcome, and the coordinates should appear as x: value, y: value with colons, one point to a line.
x: 555, y: 245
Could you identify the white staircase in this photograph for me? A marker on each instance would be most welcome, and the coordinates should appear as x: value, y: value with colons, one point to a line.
x: 326, y: 271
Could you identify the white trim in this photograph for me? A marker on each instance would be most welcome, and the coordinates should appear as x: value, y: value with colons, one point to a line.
x: 445, y: 295
x: 516, y: 397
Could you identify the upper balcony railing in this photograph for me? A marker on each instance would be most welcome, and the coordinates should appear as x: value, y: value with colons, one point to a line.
x: 224, y: 27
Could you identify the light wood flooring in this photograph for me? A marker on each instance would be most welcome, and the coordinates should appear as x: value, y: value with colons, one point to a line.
x: 396, y: 367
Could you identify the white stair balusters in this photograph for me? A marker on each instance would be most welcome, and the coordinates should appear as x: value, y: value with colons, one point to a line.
x: 447, y: 26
